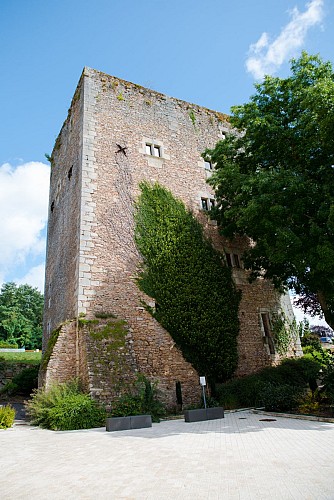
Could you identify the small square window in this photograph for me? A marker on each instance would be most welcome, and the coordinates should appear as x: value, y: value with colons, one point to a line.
x: 205, y: 204
x: 236, y: 260
x: 228, y: 259
x: 268, y: 332
x: 208, y: 165
x: 156, y: 151
x: 153, y: 150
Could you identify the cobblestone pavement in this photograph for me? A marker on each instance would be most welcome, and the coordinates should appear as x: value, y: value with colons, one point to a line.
x: 239, y: 457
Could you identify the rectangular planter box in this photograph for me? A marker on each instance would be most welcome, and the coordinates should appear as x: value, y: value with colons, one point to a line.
x: 195, y: 415
x: 203, y: 414
x: 118, y: 424
x: 214, y: 413
x: 140, y: 421
x: 127, y: 423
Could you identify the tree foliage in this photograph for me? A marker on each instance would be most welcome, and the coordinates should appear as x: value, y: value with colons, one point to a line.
x: 21, y: 314
x: 274, y: 181
x: 196, y: 300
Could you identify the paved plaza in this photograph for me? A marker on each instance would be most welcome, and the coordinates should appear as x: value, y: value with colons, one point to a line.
x: 238, y: 457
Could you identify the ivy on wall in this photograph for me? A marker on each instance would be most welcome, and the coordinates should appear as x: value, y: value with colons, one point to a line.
x: 196, y: 301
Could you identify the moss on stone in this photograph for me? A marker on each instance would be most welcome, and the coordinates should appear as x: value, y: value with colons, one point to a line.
x: 50, y: 346
x: 105, y: 315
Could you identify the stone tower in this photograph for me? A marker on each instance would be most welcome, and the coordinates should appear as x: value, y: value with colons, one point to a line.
x: 117, y: 134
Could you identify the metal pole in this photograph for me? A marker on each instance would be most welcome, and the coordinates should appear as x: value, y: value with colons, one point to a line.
x: 203, y: 388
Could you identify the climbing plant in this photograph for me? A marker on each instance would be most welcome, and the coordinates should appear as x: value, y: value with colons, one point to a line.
x: 285, y: 332
x: 196, y: 300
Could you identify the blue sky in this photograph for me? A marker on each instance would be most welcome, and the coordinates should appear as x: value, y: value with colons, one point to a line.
x: 208, y: 52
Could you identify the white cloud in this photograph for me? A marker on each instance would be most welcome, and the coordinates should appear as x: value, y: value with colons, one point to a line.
x: 34, y: 278
x: 266, y: 56
x: 23, y: 213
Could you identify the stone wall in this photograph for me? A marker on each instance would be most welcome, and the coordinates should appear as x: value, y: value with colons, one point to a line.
x: 9, y: 370
x: 61, y: 279
x: 111, y: 132
x: 63, y: 363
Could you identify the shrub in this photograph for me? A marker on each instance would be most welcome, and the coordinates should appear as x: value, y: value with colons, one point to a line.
x: 27, y: 380
x: 246, y: 391
x: 8, y: 345
x: 328, y: 388
x: 23, y: 383
x: 297, y: 372
x: 142, y: 399
x: 283, y: 397
x: 309, y: 404
x: 240, y: 393
x: 64, y: 407
x: 9, y: 389
x: 76, y: 411
x: 310, y: 339
x: 7, y: 416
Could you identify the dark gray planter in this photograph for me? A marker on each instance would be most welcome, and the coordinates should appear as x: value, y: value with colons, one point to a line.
x: 195, y: 415
x: 203, y: 414
x: 118, y: 424
x: 127, y: 423
x: 140, y: 421
x: 214, y: 413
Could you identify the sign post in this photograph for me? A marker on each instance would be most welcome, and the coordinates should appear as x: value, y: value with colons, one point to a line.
x: 202, y: 381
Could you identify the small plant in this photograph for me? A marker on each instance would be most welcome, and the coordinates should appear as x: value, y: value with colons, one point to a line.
x: 7, y: 416
x: 120, y: 96
x: 142, y: 399
x: 309, y: 405
x: 192, y: 117
x: 64, y: 407
x: 105, y: 315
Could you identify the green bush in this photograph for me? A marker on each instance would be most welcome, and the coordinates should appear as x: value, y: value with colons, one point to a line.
x: 23, y: 383
x: 7, y: 416
x: 142, y: 399
x: 297, y: 372
x: 328, y: 387
x: 246, y: 392
x: 283, y: 397
x: 310, y: 339
x: 240, y: 393
x: 9, y: 389
x: 27, y: 380
x: 8, y: 345
x: 76, y: 411
x: 64, y: 407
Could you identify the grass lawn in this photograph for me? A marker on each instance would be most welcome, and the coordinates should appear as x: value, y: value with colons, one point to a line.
x: 33, y: 358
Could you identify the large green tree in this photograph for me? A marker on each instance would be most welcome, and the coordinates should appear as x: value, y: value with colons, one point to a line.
x: 274, y: 181
x: 21, y: 313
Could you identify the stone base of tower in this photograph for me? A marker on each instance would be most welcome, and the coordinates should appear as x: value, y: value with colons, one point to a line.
x: 104, y: 355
